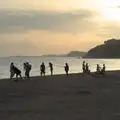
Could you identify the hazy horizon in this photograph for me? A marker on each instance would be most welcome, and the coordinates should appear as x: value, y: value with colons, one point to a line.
x: 38, y: 27
x: 42, y: 55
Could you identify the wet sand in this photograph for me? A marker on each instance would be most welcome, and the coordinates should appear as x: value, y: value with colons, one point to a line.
x: 59, y: 97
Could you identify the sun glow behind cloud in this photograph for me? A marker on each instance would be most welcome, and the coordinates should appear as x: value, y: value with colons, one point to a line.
x: 56, y: 26
x: 109, y: 10
x: 111, y: 14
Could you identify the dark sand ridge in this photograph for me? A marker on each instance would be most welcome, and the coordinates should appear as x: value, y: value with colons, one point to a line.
x: 62, y: 98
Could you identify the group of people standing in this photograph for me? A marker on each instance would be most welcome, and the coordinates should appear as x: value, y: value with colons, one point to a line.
x: 43, y: 69
x: 15, y: 71
x: 85, y: 68
x: 99, y: 70
x: 27, y: 68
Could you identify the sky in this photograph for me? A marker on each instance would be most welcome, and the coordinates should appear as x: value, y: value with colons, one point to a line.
x: 37, y: 27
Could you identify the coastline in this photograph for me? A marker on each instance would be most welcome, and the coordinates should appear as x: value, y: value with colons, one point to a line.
x: 58, y: 75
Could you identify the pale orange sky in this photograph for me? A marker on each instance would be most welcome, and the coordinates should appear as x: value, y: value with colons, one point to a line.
x: 36, y: 27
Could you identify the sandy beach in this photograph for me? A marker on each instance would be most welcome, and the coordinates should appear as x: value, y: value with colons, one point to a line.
x: 59, y: 97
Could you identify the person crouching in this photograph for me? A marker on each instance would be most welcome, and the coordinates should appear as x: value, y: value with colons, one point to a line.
x: 17, y: 72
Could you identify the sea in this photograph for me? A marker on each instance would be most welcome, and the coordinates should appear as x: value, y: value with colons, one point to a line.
x: 75, y: 64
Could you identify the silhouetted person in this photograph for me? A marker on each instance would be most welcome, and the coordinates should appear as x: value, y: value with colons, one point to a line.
x: 28, y: 69
x: 12, y: 73
x: 51, y: 68
x: 66, y: 68
x: 17, y: 72
x: 83, y: 67
x: 103, y: 70
x: 42, y: 69
x: 87, y: 70
x: 25, y: 69
x: 98, y: 69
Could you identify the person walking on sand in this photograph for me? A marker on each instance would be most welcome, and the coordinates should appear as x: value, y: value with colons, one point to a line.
x: 51, y: 68
x: 66, y: 67
x: 42, y: 69
x: 12, y: 73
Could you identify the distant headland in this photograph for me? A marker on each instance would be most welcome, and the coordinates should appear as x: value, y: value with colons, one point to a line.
x: 110, y: 49
x: 70, y: 54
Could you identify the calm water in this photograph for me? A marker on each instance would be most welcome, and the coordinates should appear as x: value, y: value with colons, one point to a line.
x: 74, y: 63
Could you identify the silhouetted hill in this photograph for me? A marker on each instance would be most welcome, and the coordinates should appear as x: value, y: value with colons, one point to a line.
x: 70, y: 54
x: 110, y: 49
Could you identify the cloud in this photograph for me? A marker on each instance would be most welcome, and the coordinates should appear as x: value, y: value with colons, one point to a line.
x: 109, y: 30
x: 12, y: 47
x: 23, y: 21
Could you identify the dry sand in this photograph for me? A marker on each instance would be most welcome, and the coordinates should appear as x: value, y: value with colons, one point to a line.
x: 59, y: 97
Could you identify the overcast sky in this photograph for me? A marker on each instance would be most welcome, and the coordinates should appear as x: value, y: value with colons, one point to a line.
x: 36, y: 27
